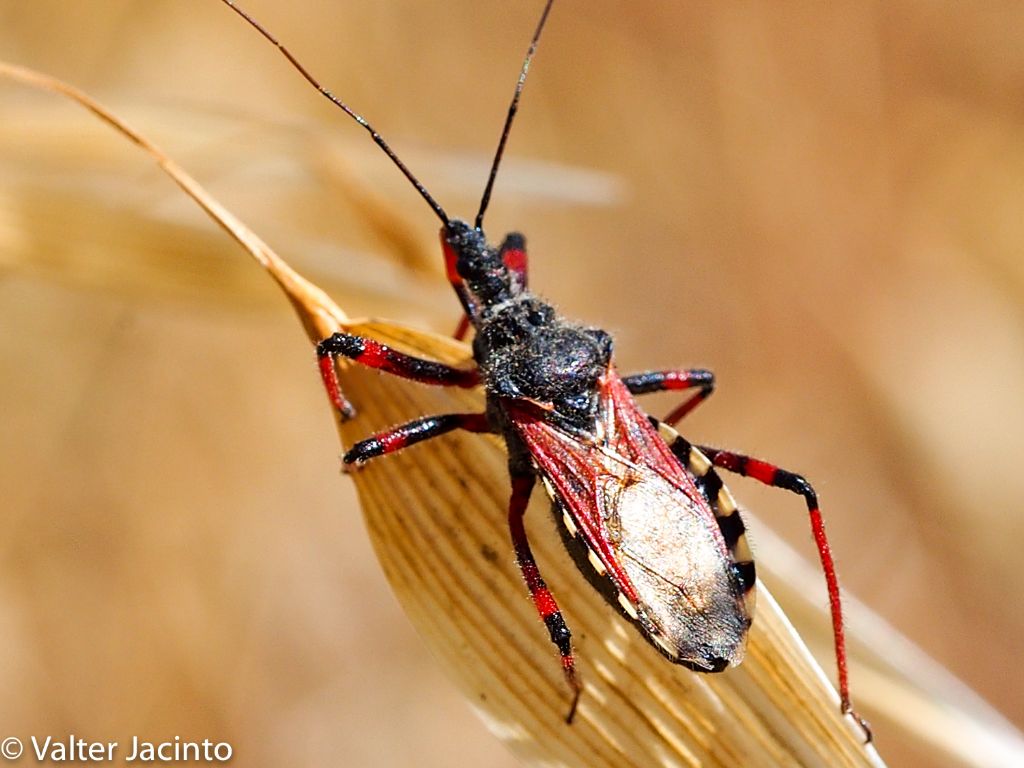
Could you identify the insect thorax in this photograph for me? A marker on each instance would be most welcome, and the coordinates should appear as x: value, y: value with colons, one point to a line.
x: 526, y: 351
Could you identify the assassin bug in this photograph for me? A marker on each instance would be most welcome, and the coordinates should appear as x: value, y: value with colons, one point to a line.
x: 645, y: 513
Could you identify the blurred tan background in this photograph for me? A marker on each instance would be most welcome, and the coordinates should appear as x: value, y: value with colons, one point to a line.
x: 821, y: 204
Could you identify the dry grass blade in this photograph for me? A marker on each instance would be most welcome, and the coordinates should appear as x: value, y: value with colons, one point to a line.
x: 436, y: 517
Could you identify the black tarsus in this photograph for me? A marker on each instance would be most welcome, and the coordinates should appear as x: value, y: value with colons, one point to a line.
x: 512, y: 109
x: 377, y: 138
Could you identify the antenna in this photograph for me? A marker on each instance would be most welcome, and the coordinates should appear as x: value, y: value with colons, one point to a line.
x: 377, y: 138
x: 512, y: 108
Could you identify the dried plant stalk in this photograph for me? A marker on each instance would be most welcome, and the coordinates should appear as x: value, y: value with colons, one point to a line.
x: 436, y: 517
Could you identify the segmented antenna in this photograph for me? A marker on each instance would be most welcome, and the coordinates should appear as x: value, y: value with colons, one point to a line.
x: 513, y: 107
x: 378, y: 139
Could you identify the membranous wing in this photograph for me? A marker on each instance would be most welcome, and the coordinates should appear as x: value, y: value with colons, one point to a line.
x: 648, y: 527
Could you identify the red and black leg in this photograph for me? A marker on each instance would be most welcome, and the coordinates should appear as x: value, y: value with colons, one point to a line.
x: 462, y: 328
x: 522, y: 485
x: 666, y: 381
x: 513, y: 256
x: 413, y: 432
x: 774, y: 476
x: 373, y: 354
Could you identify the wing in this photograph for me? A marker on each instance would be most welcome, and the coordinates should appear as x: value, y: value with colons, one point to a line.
x: 648, y: 528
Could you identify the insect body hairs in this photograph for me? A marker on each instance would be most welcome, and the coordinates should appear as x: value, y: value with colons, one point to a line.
x: 646, y: 514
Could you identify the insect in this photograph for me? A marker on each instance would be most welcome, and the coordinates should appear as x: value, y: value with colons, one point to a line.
x: 645, y: 512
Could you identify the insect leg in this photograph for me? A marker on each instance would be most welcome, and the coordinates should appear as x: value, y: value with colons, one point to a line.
x: 414, y: 432
x: 373, y: 354
x: 664, y: 381
x: 462, y: 328
x: 522, y: 485
x: 513, y: 256
x: 774, y: 476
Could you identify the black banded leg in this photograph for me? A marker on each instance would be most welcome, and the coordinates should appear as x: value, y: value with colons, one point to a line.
x: 730, y: 523
x: 774, y: 476
x: 397, y: 438
x: 522, y: 485
x: 373, y: 354
x: 664, y: 381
